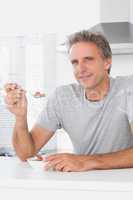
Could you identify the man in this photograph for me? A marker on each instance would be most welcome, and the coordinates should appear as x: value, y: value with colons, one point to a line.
x: 97, y: 113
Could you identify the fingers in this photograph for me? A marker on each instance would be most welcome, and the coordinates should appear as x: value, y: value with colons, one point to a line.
x: 66, y: 169
x: 11, y: 86
x: 65, y: 162
x: 59, y: 162
x: 14, y: 96
x: 39, y: 157
x: 14, y: 93
x: 56, y: 165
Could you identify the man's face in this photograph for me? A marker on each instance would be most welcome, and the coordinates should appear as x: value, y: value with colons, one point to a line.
x: 89, y: 66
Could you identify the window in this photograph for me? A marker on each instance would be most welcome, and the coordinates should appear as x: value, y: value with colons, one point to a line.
x: 31, y: 62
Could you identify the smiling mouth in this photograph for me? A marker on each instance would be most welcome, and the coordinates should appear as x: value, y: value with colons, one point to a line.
x: 85, y: 77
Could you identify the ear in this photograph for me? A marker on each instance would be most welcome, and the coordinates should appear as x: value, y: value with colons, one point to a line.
x: 108, y: 63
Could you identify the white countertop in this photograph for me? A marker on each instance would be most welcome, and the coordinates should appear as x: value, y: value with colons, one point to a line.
x: 14, y: 173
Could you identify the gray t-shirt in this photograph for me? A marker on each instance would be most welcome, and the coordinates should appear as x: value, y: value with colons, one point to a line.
x: 93, y: 127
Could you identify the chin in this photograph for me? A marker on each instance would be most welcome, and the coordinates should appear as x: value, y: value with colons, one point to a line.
x: 87, y: 85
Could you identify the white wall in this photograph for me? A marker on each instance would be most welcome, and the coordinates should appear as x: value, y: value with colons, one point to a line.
x: 27, y: 17
x: 114, y: 10
x: 64, y: 70
x: 131, y: 11
x: 33, y: 16
x: 122, y: 65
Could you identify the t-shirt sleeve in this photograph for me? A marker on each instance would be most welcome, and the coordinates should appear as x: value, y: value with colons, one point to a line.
x: 50, y: 116
x: 129, y: 104
x: 126, y: 89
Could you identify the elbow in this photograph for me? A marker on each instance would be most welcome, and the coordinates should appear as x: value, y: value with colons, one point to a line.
x: 22, y: 158
x: 24, y: 155
x: 24, y: 152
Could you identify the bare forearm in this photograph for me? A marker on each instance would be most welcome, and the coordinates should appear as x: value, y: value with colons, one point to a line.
x: 71, y: 162
x: 22, y: 140
x: 120, y: 159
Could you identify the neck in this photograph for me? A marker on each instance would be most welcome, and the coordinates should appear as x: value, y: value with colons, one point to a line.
x: 100, y: 91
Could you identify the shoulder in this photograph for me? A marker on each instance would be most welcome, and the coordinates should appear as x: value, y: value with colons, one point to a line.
x: 124, y: 82
x: 69, y: 94
x: 71, y: 89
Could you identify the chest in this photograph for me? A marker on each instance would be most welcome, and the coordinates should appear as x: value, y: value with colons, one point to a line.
x: 82, y: 117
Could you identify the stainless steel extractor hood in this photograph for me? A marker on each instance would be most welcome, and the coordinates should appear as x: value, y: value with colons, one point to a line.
x: 119, y: 35
x: 117, y: 28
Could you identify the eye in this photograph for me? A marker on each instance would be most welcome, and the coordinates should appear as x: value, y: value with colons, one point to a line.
x: 74, y: 62
x: 89, y: 58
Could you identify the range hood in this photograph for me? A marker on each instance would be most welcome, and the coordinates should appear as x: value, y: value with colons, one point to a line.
x: 119, y: 35
x: 116, y: 23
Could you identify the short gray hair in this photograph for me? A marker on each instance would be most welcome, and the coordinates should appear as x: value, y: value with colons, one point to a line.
x: 95, y: 37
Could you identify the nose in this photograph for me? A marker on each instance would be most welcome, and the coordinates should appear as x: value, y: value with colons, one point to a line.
x: 81, y: 67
